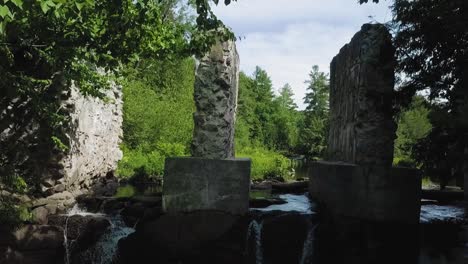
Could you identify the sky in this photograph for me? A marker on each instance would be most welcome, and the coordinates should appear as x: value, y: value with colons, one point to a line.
x: 288, y: 37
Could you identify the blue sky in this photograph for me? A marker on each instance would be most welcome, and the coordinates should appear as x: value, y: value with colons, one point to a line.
x: 287, y: 37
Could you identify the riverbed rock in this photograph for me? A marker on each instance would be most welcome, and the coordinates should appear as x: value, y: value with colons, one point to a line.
x: 32, y: 244
x: 201, y: 237
x: 283, y: 237
x: 40, y: 214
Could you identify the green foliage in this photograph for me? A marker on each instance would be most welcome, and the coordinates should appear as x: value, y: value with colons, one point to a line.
x: 142, y: 163
x: 314, y: 129
x: 431, y: 38
x: 413, y: 125
x: 266, y: 163
x: 264, y: 119
x: 157, y: 116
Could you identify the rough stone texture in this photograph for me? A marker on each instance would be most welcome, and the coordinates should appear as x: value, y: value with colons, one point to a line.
x: 92, y: 131
x: 95, y: 133
x: 368, y: 192
x: 32, y: 244
x: 192, y: 184
x: 362, y: 130
x: 216, y: 87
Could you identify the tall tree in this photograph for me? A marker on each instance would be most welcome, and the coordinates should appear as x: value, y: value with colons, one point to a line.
x: 313, y: 133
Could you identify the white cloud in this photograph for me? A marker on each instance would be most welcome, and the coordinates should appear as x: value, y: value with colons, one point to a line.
x: 287, y: 37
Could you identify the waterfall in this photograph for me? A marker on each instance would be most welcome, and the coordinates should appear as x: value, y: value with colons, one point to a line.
x: 103, y: 252
x: 307, y: 250
x: 65, y: 242
x: 105, y: 248
x: 256, y: 229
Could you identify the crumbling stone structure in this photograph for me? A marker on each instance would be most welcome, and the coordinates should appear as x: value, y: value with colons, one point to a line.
x: 216, y: 88
x: 358, y: 180
x: 362, y: 129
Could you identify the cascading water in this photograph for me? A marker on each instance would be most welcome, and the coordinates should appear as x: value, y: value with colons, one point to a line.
x: 307, y: 250
x: 104, y: 250
x: 255, y: 232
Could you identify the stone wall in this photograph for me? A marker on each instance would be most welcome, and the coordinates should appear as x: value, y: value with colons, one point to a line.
x: 94, y: 134
x: 362, y: 129
x: 91, y: 130
x: 216, y: 88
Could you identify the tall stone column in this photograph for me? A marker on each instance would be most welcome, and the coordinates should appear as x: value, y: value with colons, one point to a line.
x: 212, y: 179
x: 358, y: 179
x: 216, y: 88
x: 362, y: 78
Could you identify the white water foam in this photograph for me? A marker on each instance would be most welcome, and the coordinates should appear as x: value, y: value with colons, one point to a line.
x: 294, y: 203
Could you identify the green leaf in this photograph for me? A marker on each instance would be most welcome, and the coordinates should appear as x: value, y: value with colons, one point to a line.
x: 79, y: 6
x: 18, y: 3
x: 5, y: 11
x: 44, y: 7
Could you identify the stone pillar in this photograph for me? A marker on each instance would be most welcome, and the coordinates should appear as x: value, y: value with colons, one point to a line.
x: 216, y: 87
x: 212, y: 179
x: 358, y: 180
x: 362, y: 129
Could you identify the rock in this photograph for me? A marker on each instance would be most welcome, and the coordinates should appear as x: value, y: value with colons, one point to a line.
x: 202, y: 237
x: 61, y: 196
x: 51, y: 208
x: 32, y: 244
x: 362, y: 127
x: 35, y: 237
x: 40, y: 215
x: 264, y: 185
x: 283, y: 238
x: 290, y: 187
x: 48, y: 183
x: 59, y: 188
x: 84, y: 229
x: 215, y: 95
x: 132, y: 213
x: 96, y: 131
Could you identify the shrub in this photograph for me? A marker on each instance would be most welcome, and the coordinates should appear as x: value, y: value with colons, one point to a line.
x: 143, y: 163
x: 266, y: 163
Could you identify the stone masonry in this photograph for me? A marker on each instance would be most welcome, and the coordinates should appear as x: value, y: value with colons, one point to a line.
x: 216, y: 87
x: 362, y: 129
x: 358, y: 180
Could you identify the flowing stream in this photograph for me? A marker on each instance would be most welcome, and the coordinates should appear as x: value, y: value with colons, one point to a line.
x: 294, y: 203
x: 103, y: 251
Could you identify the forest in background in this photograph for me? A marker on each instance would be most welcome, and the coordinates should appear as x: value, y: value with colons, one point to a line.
x: 47, y: 44
x: 158, y: 108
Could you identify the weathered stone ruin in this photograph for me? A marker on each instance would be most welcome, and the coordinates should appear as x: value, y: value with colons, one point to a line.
x: 216, y: 88
x: 358, y: 180
x: 92, y: 133
x: 95, y: 133
x: 212, y: 179
x: 362, y: 129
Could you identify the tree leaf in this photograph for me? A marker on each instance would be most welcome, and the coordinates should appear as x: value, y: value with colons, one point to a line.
x: 44, y: 6
x: 18, y: 3
x: 5, y: 11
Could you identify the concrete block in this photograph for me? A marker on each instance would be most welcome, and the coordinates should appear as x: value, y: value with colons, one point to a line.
x: 192, y: 184
x: 368, y: 192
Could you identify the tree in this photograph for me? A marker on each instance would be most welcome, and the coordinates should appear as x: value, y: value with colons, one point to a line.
x: 413, y: 125
x: 313, y: 133
x: 431, y: 40
x: 432, y: 43
x: 285, y: 117
x: 285, y: 98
